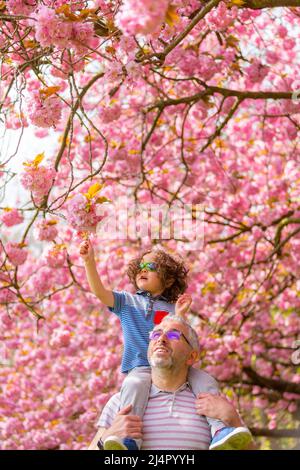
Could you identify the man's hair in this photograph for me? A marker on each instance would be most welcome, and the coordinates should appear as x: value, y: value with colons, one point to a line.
x: 192, y: 334
x: 168, y: 267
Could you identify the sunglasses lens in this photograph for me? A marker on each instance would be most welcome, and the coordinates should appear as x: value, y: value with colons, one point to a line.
x: 173, y: 335
x: 148, y: 266
x: 155, y: 335
x: 152, y: 266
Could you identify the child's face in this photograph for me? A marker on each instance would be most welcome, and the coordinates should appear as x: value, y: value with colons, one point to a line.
x: 147, y: 279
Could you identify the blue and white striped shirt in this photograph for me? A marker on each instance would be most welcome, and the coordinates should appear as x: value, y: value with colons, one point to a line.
x: 136, y: 313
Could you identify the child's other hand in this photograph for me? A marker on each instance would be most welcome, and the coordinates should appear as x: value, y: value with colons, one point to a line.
x: 86, y: 250
x: 182, y: 305
x: 217, y: 407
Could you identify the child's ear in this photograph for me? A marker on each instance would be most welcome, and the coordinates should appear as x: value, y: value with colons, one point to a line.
x: 170, y: 282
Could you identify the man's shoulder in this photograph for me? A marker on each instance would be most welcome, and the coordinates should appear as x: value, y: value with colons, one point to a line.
x: 206, y: 378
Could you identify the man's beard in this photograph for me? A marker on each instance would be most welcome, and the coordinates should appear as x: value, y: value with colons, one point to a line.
x: 161, y: 362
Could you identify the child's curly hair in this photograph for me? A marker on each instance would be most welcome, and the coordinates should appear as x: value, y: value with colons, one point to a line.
x: 168, y: 268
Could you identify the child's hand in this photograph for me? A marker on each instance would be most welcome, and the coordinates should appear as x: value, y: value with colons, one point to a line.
x: 182, y: 305
x: 217, y: 407
x: 86, y: 250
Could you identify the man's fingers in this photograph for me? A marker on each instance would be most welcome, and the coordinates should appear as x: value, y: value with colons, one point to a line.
x: 135, y: 435
x: 134, y: 420
x: 125, y: 410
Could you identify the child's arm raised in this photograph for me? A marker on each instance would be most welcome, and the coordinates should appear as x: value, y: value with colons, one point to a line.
x: 182, y: 305
x: 87, y: 254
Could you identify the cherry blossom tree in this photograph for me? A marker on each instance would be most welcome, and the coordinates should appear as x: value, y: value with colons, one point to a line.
x: 180, y: 102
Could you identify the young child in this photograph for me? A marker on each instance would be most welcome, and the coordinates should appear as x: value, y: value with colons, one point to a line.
x: 160, y: 280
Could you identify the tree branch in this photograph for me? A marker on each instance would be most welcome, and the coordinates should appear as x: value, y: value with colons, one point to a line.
x: 275, y: 432
x: 260, y: 4
x: 280, y: 385
x: 72, y: 114
x: 210, y: 90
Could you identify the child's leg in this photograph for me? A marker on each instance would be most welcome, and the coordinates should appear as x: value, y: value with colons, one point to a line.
x: 230, y: 438
x: 135, y: 390
x: 201, y: 382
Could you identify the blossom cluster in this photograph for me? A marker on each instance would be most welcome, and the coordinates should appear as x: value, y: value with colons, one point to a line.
x: 11, y: 217
x: 16, y: 253
x: 111, y: 113
x: 46, y: 230
x: 37, y: 178
x: 141, y: 17
x: 53, y: 28
x: 221, y: 17
x: 44, y: 111
x: 82, y: 209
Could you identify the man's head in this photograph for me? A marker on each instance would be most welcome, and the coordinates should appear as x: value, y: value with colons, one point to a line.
x: 157, y: 271
x: 173, y: 345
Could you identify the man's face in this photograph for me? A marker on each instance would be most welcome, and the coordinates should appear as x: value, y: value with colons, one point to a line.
x: 170, y: 353
x: 148, y: 280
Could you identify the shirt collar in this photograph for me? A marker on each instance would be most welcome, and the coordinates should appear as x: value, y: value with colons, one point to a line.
x: 157, y: 297
x: 156, y: 391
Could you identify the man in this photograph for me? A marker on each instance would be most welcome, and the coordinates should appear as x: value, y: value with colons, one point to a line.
x: 173, y: 418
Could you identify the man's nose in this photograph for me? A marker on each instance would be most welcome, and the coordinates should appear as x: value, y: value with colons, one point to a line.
x: 162, y: 338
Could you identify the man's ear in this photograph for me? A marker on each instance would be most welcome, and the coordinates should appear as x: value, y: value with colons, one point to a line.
x: 194, y: 357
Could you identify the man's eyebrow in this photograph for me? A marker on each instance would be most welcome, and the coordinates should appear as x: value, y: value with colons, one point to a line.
x: 170, y: 329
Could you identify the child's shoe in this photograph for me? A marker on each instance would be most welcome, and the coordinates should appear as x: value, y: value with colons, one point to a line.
x: 117, y: 443
x: 231, y: 439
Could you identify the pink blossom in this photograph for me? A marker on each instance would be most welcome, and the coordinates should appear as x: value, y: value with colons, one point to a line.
x: 6, y: 321
x: 257, y: 71
x: 12, y: 217
x: 6, y: 296
x: 44, y: 111
x: 82, y: 215
x: 83, y: 35
x: 110, y: 113
x: 141, y: 17
x: 60, y: 338
x: 207, y: 67
x: 56, y: 256
x: 68, y: 62
x: 46, y: 230
x: 16, y: 254
x: 20, y: 7
x: 289, y: 44
x: 38, y: 180
x: 96, y: 384
x: 257, y: 233
x: 42, y: 281
x: 50, y: 29
x: 221, y: 17
x: 282, y: 31
x: 272, y: 57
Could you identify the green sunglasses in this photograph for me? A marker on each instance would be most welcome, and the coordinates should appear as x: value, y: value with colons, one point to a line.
x: 149, y: 266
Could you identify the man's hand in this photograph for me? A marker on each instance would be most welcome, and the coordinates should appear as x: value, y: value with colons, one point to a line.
x: 218, y: 407
x: 182, y: 305
x: 86, y: 250
x: 125, y: 425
